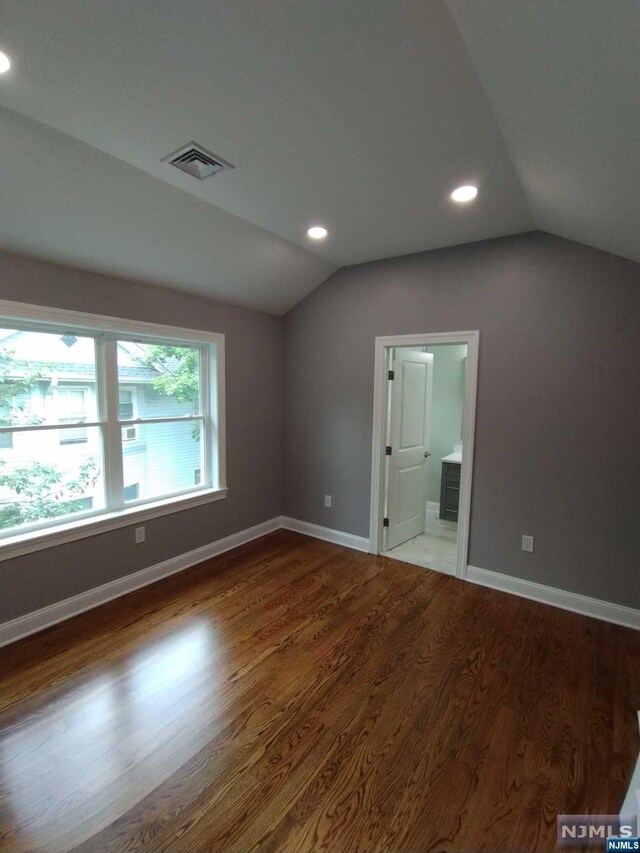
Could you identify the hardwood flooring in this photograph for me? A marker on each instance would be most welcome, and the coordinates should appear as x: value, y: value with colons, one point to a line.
x: 293, y: 695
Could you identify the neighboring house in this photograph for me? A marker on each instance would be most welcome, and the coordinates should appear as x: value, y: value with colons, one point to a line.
x: 60, y: 373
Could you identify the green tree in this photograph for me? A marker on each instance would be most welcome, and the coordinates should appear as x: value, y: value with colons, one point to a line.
x: 16, y: 378
x: 178, y: 376
x: 42, y: 491
x: 38, y: 491
x: 178, y: 372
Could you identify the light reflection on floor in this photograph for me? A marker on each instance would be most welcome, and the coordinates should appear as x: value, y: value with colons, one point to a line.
x: 66, y: 763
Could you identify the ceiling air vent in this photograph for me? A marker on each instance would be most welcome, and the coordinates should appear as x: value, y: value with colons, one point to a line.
x: 197, y: 161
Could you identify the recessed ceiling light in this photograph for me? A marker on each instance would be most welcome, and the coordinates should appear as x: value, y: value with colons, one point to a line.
x: 466, y: 193
x: 5, y: 62
x: 317, y: 232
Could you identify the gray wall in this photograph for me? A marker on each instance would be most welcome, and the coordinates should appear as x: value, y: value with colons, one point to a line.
x: 558, y: 416
x: 558, y: 419
x: 254, y: 432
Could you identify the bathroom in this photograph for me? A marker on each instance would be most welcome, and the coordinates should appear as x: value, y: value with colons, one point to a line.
x: 426, y: 411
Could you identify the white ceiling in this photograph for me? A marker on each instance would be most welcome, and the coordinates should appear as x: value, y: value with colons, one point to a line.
x: 360, y: 114
x: 63, y: 200
x: 563, y: 79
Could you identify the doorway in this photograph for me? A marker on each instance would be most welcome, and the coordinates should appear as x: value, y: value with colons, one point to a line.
x: 423, y: 430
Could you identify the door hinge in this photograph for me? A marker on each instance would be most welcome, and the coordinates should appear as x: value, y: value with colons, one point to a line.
x: 392, y: 374
x: 385, y: 522
x: 387, y: 450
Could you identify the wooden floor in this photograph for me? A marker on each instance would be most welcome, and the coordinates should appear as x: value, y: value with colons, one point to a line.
x: 294, y: 695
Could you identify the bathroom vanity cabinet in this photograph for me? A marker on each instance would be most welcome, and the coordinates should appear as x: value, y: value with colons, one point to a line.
x: 450, y: 490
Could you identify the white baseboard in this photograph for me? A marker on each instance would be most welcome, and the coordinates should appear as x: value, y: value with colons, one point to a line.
x: 605, y: 610
x: 30, y: 623
x: 349, y: 540
x: 572, y: 601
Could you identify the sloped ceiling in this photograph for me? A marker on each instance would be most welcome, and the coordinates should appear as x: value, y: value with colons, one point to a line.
x: 362, y: 115
x: 63, y: 200
x: 563, y: 80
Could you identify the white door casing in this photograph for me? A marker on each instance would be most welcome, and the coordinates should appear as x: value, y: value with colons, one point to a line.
x: 410, y: 407
x: 380, y: 432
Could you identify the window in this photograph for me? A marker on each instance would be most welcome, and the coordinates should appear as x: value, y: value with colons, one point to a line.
x: 84, y: 504
x: 128, y: 411
x: 72, y: 410
x: 6, y: 439
x: 85, y: 410
x: 172, y: 429
x: 132, y: 493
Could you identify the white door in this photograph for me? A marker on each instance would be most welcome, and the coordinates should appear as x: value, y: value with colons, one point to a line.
x: 408, y: 438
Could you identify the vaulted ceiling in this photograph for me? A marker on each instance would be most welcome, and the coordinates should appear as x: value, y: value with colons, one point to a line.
x: 362, y: 115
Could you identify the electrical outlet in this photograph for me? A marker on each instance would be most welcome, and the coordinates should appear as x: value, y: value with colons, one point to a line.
x: 141, y: 535
x: 527, y: 543
x: 327, y: 500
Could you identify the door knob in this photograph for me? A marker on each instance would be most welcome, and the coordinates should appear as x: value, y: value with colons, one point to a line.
x: 426, y: 454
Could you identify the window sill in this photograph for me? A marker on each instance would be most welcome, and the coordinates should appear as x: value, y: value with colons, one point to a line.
x: 37, y: 540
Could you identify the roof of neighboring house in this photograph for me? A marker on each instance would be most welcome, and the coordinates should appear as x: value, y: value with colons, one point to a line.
x: 61, y: 368
x: 33, y: 351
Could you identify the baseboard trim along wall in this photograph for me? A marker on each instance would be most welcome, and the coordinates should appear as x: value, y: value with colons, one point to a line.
x: 358, y: 543
x: 573, y: 601
x: 36, y: 621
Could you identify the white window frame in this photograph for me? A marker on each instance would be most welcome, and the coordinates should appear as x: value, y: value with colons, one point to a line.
x: 106, y: 331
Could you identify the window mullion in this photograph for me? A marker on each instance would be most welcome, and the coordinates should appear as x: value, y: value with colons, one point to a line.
x: 206, y: 457
x: 108, y: 407
x: 172, y: 419
x: 216, y: 412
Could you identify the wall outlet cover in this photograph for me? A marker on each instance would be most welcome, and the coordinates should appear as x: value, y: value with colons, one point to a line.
x: 327, y: 500
x: 527, y: 544
x: 141, y: 535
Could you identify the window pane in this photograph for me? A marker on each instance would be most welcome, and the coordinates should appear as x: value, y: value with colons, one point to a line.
x: 43, y: 478
x: 158, y: 381
x: 126, y: 408
x: 6, y: 438
x: 162, y: 459
x: 71, y: 403
x: 132, y: 492
x: 46, y: 378
x: 128, y: 411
